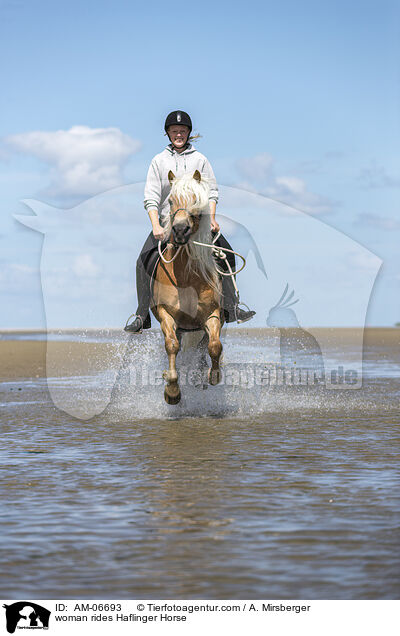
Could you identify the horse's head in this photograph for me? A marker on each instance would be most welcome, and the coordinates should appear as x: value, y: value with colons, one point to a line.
x: 188, y: 200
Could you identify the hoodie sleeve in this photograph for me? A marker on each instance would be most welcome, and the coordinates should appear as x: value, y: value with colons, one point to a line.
x: 152, y: 189
x: 209, y: 173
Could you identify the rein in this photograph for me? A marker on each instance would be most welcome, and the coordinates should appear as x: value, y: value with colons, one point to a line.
x: 164, y: 260
x: 219, y: 252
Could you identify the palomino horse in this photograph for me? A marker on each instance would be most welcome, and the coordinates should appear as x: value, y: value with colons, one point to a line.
x: 187, y: 289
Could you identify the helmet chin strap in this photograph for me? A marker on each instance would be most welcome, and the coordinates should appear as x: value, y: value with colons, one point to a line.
x: 186, y: 143
x: 182, y: 147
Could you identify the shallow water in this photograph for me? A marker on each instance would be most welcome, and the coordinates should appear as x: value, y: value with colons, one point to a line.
x: 263, y: 492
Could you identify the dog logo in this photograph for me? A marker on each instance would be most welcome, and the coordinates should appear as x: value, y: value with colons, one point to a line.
x: 86, y: 269
x: 26, y: 615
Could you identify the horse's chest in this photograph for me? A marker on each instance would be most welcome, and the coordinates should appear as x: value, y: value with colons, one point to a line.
x: 188, y: 300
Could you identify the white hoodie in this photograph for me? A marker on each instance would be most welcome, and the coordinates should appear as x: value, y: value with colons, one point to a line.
x: 157, y: 188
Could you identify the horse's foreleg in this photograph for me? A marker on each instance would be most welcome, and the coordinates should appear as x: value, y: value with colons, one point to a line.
x: 172, y: 393
x: 213, y: 328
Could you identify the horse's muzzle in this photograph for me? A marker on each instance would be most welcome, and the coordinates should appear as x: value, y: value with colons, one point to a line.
x: 181, y: 233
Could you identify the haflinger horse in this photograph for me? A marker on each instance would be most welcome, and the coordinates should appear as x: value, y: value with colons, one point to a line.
x: 187, y: 289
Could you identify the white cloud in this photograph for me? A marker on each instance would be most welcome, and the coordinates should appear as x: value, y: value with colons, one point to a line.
x: 291, y: 184
x: 376, y: 176
x: 261, y: 178
x: 364, y: 260
x: 257, y: 168
x: 16, y: 276
x: 84, y: 160
x: 379, y: 222
x: 85, y: 267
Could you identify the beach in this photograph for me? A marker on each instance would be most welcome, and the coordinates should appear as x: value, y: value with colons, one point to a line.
x: 262, y: 487
x: 26, y: 358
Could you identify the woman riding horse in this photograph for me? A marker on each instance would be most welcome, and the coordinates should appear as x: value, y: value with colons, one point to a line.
x: 187, y: 288
x: 181, y: 158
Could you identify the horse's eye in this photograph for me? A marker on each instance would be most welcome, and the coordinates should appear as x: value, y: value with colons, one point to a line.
x: 170, y: 201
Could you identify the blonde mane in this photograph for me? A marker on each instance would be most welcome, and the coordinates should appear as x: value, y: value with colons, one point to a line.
x: 193, y: 196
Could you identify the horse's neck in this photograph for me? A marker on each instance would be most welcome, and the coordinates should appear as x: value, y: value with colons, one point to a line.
x: 170, y: 253
x: 181, y: 260
x: 179, y: 264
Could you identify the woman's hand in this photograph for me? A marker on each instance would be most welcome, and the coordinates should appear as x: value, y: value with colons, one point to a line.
x: 214, y: 226
x: 158, y: 232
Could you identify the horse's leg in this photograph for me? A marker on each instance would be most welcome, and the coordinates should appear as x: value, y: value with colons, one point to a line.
x: 213, y: 328
x: 202, y: 366
x: 172, y: 392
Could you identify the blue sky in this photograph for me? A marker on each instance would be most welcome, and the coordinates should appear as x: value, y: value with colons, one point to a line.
x: 295, y: 101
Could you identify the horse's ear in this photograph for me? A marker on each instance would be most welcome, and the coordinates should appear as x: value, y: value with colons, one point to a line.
x: 171, y: 177
x: 197, y: 176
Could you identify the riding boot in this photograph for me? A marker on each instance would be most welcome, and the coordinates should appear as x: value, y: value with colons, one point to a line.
x: 142, y: 290
x: 232, y: 311
x: 230, y: 299
x: 142, y: 317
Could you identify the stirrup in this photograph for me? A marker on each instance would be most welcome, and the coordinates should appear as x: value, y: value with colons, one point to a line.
x: 236, y: 308
x: 136, y: 316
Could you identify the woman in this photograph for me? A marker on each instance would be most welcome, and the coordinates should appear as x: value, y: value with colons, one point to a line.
x: 181, y: 157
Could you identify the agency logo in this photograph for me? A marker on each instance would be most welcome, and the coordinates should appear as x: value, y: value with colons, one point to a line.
x: 26, y: 615
x: 319, y: 282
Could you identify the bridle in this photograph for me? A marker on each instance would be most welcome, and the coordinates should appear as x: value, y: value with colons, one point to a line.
x: 177, y: 247
x: 194, y: 217
x: 191, y: 214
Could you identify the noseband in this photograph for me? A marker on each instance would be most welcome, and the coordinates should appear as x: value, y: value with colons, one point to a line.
x: 194, y: 217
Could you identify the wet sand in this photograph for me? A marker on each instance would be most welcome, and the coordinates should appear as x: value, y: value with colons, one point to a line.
x: 27, y: 358
x: 241, y: 492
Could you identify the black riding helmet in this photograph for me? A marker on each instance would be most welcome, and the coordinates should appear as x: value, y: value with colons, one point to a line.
x: 178, y: 117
